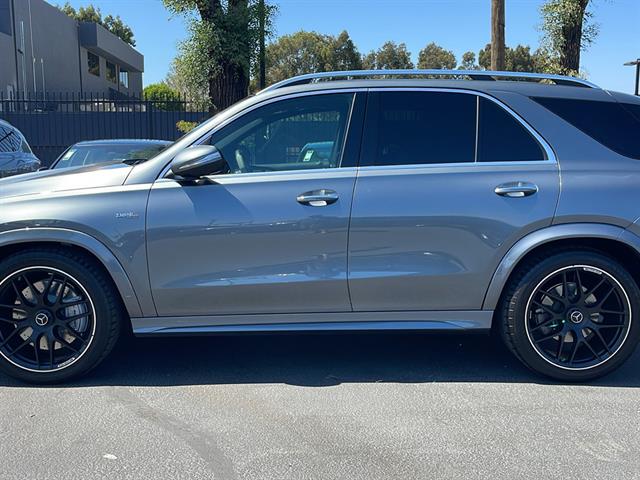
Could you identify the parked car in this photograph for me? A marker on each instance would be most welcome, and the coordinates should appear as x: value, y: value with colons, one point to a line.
x: 463, y: 205
x: 108, y: 151
x: 15, y: 154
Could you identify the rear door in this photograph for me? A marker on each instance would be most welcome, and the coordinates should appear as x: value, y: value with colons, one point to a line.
x: 449, y: 180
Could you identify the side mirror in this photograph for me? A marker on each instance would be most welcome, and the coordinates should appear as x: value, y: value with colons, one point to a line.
x: 198, y: 161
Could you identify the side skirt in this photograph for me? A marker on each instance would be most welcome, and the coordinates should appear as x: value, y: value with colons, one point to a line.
x: 461, y: 321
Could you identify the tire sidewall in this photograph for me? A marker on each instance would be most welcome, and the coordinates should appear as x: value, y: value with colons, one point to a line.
x: 94, y: 289
x: 517, y: 314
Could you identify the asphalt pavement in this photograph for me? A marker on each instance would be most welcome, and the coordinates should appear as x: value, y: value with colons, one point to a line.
x: 351, y: 406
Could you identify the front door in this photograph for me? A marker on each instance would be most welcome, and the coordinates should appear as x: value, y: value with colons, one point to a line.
x: 449, y: 181
x: 271, y: 236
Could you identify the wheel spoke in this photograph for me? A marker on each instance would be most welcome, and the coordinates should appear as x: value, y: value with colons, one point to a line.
x: 21, y: 297
x: 543, y: 324
x: 606, y: 297
x: 575, y: 348
x: 553, y: 296
x: 76, y: 317
x: 10, y: 336
x: 546, y: 337
x: 561, y: 345
x: 10, y: 321
x: 590, y: 292
x: 601, y: 338
x: 76, y: 335
x: 586, y: 342
x: 23, y: 344
x: 578, y: 285
x: 60, y: 294
x: 546, y: 308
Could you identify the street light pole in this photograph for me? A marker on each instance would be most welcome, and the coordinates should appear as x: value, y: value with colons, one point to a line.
x: 636, y: 63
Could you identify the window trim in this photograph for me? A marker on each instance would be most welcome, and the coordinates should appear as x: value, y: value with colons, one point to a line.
x: 551, y: 156
x: 205, y: 136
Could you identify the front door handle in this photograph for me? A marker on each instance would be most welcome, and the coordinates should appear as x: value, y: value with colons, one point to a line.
x: 318, y: 198
x: 516, y: 189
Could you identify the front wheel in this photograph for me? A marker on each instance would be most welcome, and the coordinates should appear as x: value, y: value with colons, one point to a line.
x: 572, y: 316
x: 59, y: 315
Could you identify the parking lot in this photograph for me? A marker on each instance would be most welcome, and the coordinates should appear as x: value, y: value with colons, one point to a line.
x: 325, y: 406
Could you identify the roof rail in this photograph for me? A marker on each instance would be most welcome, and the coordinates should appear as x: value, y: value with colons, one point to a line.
x: 472, y: 74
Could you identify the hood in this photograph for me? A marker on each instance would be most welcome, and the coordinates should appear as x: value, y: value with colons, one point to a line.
x: 48, y: 181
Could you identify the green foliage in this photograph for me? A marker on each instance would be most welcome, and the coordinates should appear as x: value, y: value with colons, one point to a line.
x: 163, y: 97
x: 468, y: 61
x: 185, y: 127
x: 222, y: 48
x: 309, y: 52
x: 519, y: 59
x: 390, y: 56
x: 92, y: 14
x: 567, y: 29
x: 433, y: 56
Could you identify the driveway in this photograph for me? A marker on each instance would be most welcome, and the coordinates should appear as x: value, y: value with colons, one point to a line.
x: 352, y: 406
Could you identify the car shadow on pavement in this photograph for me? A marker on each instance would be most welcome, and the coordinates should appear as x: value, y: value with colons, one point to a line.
x: 318, y: 361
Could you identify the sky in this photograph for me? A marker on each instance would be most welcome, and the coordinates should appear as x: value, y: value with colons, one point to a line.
x: 457, y: 25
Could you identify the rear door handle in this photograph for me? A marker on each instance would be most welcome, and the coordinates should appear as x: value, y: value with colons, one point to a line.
x: 318, y: 198
x: 516, y: 189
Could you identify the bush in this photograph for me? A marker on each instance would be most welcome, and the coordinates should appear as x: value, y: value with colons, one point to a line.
x: 163, y: 97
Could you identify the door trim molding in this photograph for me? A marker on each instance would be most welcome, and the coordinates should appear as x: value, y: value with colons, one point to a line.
x: 461, y: 321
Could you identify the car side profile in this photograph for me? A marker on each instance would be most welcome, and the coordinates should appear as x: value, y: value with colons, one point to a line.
x: 345, y: 201
x: 16, y: 156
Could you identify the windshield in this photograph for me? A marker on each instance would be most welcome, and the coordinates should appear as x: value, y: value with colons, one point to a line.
x: 82, y: 155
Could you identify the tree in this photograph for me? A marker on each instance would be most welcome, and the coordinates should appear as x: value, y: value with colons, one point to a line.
x: 310, y: 52
x: 163, y: 97
x: 468, y: 61
x: 92, y: 14
x: 223, y: 45
x: 343, y: 54
x: 568, y: 29
x: 390, y: 56
x: 498, y: 53
x: 518, y: 59
x: 434, y: 56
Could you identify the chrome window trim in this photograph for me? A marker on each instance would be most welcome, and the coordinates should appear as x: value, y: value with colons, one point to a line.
x: 551, y: 156
x: 268, y: 101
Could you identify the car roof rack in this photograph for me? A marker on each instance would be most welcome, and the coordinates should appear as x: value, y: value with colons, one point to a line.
x: 459, y: 74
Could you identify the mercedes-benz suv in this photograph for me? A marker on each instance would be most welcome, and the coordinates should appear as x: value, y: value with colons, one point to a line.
x: 447, y: 201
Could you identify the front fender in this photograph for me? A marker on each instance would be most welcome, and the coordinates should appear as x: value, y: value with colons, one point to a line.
x: 546, y: 235
x: 86, y: 242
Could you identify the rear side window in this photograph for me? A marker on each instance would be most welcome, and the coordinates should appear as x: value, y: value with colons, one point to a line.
x: 421, y: 128
x: 501, y: 138
x: 409, y: 128
x: 614, y: 125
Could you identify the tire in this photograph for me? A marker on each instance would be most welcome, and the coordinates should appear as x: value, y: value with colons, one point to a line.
x: 573, y: 315
x: 55, y: 297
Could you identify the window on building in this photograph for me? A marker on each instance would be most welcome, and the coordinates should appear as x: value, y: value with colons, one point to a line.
x: 112, y: 74
x: 93, y: 61
x: 124, y: 78
x: 5, y: 17
x: 614, y: 125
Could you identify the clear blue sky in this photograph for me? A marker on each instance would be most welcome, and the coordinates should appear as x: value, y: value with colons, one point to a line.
x: 457, y: 25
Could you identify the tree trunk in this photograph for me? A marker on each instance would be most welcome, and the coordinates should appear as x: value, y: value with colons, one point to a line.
x: 497, y: 35
x: 229, y: 86
x: 572, y: 41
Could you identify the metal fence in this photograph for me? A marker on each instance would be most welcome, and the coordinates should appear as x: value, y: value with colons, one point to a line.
x: 52, y: 122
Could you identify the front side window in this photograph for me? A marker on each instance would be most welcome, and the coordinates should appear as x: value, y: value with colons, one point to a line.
x: 422, y: 128
x: 614, y: 125
x: 111, y: 72
x: 93, y: 61
x: 301, y: 133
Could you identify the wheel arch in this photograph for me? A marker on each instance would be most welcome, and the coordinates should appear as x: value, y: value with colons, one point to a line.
x: 19, y: 239
x: 608, y: 239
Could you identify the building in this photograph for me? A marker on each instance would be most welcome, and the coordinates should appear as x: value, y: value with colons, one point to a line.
x: 43, y: 50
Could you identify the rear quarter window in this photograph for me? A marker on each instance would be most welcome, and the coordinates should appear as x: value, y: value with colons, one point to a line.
x: 614, y: 125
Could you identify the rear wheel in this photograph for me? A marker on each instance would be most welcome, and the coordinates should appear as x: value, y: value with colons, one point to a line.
x: 59, y: 315
x: 572, y: 315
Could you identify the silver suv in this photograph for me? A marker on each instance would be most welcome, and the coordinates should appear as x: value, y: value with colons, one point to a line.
x: 345, y: 201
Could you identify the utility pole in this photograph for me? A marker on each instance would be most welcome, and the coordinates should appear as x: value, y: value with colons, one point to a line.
x: 497, y: 35
x: 262, y: 13
x: 635, y: 63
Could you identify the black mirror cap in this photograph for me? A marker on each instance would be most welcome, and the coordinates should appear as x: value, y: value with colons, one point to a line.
x: 197, y: 161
